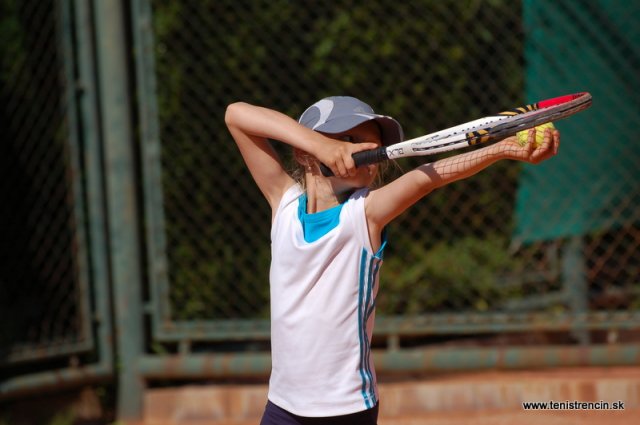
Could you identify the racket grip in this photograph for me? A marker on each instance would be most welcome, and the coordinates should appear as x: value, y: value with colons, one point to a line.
x: 361, y: 158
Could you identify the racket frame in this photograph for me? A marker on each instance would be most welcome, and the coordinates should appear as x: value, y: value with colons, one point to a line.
x: 482, y: 131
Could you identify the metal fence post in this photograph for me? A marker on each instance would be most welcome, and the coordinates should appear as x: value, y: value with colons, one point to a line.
x: 122, y: 206
x: 576, y: 286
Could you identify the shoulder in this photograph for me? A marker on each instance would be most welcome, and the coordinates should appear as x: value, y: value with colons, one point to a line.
x: 357, y: 201
x: 289, y: 196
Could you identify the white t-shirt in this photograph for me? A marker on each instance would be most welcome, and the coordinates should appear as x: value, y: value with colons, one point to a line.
x: 324, y: 282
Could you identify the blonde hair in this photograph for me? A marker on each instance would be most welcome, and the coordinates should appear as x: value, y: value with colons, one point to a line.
x: 298, y: 173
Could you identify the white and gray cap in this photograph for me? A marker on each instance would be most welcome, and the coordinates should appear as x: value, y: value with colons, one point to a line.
x: 341, y: 113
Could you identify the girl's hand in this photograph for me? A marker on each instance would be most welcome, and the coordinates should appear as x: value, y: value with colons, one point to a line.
x: 529, y: 152
x: 336, y: 154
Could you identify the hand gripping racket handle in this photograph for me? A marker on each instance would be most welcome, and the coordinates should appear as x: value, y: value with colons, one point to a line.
x: 361, y: 158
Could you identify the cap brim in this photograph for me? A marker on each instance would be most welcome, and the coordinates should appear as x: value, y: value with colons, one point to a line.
x: 391, y: 129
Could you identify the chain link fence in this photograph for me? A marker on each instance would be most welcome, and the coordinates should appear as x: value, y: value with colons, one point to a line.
x: 462, y: 250
x: 43, y: 297
x: 515, y: 248
x: 430, y: 64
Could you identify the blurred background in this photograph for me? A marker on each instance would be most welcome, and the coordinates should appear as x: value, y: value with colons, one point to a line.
x: 134, y: 245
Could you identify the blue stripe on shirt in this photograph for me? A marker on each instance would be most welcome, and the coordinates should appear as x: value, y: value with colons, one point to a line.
x: 361, y: 335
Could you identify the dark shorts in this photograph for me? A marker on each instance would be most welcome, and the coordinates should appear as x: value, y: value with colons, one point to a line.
x: 274, y: 415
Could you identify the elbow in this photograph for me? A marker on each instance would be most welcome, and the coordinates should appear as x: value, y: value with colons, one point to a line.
x: 232, y: 112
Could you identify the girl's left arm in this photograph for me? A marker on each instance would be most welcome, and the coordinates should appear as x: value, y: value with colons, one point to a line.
x: 386, y: 203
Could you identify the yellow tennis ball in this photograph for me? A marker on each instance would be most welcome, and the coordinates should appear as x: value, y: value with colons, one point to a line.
x: 523, y: 136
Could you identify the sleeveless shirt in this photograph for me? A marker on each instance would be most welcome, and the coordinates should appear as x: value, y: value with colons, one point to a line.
x: 323, y: 282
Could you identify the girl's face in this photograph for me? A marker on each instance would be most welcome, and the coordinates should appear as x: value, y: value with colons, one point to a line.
x: 368, y: 131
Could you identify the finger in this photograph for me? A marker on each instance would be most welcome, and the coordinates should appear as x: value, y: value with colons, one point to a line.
x: 543, y: 150
x: 364, y: 146
x: 343, y: 170
x: 361, y: 147
x: 556, y: 141
x: 350, y: 165
x: 548, y: 147
x: 346, y: 159
x: 548, y: 141
x: 531, y: 141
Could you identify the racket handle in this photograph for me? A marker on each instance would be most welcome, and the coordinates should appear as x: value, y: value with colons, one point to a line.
x: 361, y: 158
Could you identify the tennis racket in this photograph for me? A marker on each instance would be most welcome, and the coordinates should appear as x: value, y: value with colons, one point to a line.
x: 482, y: 131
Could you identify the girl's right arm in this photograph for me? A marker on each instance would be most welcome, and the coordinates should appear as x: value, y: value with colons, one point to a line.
x: 252, y: 127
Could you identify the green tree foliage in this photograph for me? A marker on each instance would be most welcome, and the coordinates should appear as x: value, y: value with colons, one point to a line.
x: 463, y: 274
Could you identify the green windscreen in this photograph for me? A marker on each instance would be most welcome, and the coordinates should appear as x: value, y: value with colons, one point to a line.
x: 594, y: 182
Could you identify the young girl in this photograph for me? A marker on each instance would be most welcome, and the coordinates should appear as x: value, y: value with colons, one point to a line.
x: 327, y: 242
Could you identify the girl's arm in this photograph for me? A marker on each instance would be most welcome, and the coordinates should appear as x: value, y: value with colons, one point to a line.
x: 252, y: 127
x: 385, y: 204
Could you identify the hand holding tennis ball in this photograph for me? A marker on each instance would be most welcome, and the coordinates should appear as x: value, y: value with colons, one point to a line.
x: 523, y: 136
